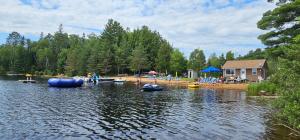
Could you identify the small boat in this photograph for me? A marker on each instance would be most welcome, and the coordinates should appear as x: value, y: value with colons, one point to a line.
x: 27, y: 81
x: 119, y: 80
x: 106, y: 79
x: 65, y: 82
x: 194, y: 85
x: 152, y: 87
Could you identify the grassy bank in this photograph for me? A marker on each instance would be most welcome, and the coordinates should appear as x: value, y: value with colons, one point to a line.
x: 262, y: 89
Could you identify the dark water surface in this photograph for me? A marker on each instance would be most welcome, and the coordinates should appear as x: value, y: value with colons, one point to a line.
x: 110, y: 111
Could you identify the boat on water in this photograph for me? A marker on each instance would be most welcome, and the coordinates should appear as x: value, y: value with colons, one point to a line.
x: 119, y: 80
x: 65, y: 82
x: 27, y: 81
x: 194, y: 85
x: 107, y: 79
x: 152, y: 87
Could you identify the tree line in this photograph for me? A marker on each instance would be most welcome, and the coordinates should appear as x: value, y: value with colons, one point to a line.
x: 116, y: 50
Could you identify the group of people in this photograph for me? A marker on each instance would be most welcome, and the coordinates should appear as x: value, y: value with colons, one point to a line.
x: 220, y: 79
x: 211, y: 80
x: 93, y: 78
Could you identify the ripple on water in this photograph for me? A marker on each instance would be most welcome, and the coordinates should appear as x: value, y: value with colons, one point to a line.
x: 107, y: 111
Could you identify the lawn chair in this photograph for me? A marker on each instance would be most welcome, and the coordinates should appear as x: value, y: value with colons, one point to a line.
x: 238, y: 79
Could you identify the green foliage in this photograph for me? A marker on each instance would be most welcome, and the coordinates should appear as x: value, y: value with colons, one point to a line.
x: 2, y: 70
x: 106, y: 59
x: 283, y: 40
x: 178, y: 63
x: 111, y: 39
x: 15, y: 39
x: 255, y: 89
x: 139, y: 59
x: 287, y: 78
x: 108, y: 53
x: 288, y: 107
x: 288, y: 68
x: 229, y: 55
x: 222, y: 59
x: 94, y: 58
x: 257, y: 54
x: 188, y: 79
x: 197, y: 60
x: 61, y: 60
x: 150, y: 40
x: 164, y: 57
x: 281, y: 23
x: 280, y: 1
x: 122, y: 53
x: 215, y: 61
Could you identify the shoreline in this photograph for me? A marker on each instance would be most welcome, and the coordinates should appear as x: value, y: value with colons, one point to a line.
x: 183, y: 83
x: 180, y: 83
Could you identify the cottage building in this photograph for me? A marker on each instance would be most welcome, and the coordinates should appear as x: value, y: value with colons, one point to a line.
x: 251, y: 70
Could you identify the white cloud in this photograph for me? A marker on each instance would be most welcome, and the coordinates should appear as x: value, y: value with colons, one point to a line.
x: 214, y: 26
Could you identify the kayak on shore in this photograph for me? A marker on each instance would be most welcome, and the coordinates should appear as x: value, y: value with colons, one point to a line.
x: 193, y: 85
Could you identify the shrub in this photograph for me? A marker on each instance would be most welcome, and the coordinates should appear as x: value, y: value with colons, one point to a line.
x: 288, y: 106
x: 255, y: 89
x: 2, y: 70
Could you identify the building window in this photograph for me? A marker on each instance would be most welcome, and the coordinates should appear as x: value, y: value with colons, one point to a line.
x: 254, y: 71
x: 230, y: 71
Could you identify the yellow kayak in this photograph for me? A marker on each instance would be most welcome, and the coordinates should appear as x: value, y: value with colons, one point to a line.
x: 195, y: 85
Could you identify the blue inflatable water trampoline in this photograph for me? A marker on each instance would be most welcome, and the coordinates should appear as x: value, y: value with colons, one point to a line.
x: 64, y: 82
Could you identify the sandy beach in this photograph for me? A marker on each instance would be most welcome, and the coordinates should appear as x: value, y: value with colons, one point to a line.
x: 183, y: 83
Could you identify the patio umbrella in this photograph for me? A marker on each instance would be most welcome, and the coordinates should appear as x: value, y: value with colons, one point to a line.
x: 211, y: 69
x: 152, y: 72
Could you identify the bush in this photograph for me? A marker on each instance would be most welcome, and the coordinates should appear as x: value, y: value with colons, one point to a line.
x: 288, y: 106
x: 255, y: 89
x: 2, y: 70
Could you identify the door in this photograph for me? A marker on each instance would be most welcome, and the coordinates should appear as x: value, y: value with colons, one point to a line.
x: 243, y: 73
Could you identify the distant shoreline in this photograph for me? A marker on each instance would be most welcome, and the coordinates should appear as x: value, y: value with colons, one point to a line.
x: 183, y: 83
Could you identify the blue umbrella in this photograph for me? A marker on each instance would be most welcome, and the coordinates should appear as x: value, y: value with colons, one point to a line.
x: 211, y: 69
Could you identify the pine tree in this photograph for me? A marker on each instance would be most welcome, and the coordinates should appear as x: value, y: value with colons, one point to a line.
x: 229, y: 55
x: 213, y: 60
x: 139, y: 59
x: 281, y: 24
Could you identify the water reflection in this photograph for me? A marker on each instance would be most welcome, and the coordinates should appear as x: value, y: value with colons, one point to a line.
x: 110, y: 111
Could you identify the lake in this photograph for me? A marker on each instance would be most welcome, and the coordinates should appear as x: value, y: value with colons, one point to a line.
x: 116, y: 111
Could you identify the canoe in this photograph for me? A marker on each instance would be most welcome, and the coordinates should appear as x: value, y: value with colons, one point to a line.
x: 193, y: 85
x: 152, y: 87
x: 64, y: 82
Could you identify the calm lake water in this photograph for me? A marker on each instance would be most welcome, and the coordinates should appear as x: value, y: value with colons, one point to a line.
x: 110, y: 111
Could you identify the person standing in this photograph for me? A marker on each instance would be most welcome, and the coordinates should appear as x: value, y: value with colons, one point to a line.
x: 169, y: 77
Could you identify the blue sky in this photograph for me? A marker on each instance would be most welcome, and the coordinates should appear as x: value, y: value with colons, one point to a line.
x: 216, y: 26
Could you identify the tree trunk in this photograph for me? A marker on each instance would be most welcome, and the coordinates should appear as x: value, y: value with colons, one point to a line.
x: 118, y: 70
